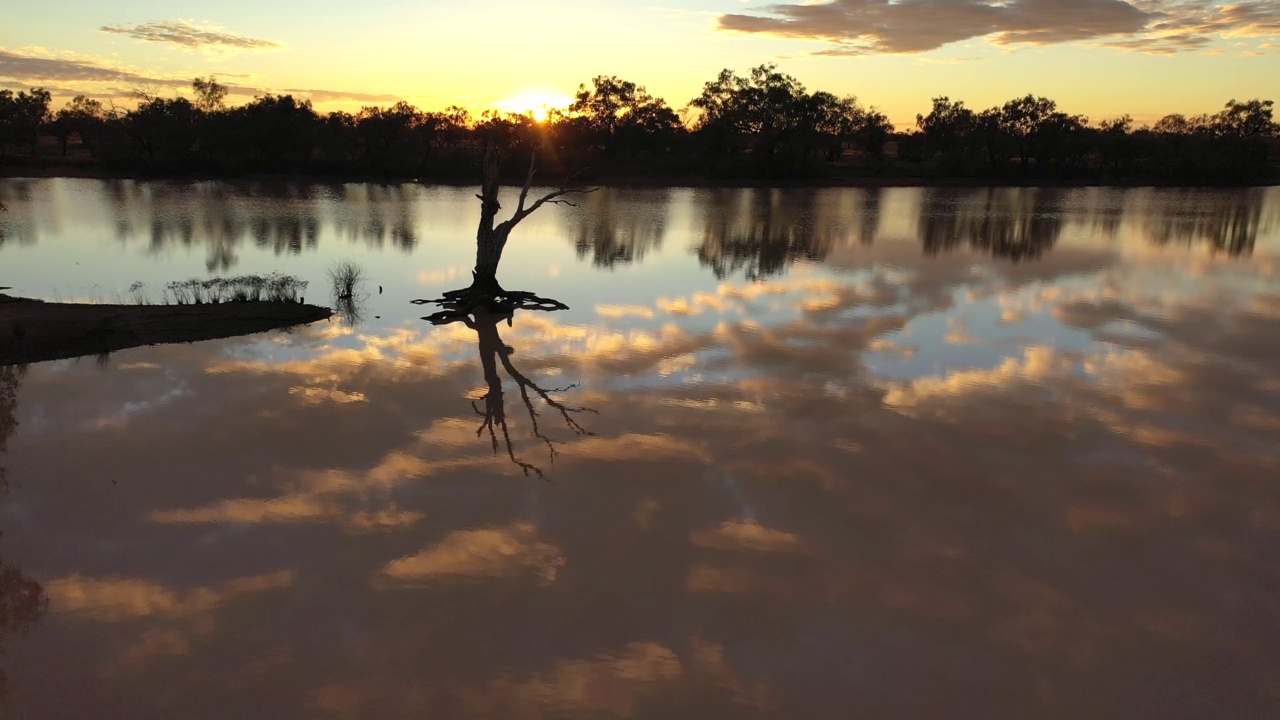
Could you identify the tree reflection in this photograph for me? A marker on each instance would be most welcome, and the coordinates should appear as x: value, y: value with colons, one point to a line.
x: 22, y: 601
x: 869, y: 222
x: 282, y: 218
x: 1014, y: 223
x: 761, y: 232
x: 494, y: 352
x: 17, y: 223
x: 491, y: 407
x: 10, y: 379
x: 613, y: 232
x: 1227, y: 222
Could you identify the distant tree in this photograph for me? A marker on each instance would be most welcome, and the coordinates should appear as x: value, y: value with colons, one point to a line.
x: 390, y: 136
x: 1024, y: 119
x: 22, y: 115
x: 947, y: 127
x: 873, y: 131
x: 276, y: 130
x: 1244, y: 120
x: 446, y: 129
x: 989, y: 131
x: 210, y: 95
x: 622, y: 117
x: 164, y: 130
x: 81, y: 116
x: 1117, y: 144
x: 759, y: 112
x: 337, y: 138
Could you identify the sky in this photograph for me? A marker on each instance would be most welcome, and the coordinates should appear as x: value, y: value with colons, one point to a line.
x: 1100, y: 58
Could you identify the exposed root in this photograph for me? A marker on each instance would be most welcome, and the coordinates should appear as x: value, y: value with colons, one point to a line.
x: 459, y: 305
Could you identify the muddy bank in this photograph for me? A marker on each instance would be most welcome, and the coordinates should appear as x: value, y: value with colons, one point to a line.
x: 35, y: 331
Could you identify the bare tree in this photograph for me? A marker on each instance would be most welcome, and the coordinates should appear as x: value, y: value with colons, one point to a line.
x: 485, y: 293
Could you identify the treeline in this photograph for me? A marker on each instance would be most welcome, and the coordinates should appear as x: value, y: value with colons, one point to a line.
x: 762, y: 125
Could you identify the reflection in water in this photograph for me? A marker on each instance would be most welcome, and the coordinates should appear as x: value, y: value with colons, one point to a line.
x: 494, y: 352
x: 891, y: 484
x: 755, y: 232
x: 761, y: 232
x: 1014, y: 223
x: 22, y: 600
x: 16, y: 223
x: 612, y: 230
x: 1227, y: 222
x: 23, y: 603
x: 284, y: 218
x: 10, y: 379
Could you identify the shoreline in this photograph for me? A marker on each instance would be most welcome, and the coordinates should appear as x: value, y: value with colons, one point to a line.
x: 620, y: 181
x: 37, y: 331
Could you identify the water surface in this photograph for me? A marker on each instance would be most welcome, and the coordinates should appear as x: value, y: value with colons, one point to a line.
x: 809, y: 453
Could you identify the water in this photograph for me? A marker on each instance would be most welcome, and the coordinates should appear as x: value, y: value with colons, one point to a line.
x: 812, y: 453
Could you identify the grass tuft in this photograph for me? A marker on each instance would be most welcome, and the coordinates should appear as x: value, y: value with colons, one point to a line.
x: 244, y: 288
x: 347, y: 277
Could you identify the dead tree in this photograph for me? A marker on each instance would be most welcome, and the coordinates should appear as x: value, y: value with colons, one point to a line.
x: 485, y: 293
x: 495, y: 353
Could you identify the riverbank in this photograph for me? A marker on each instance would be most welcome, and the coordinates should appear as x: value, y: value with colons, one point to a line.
x: 35, y: 331
x: 22, y: 172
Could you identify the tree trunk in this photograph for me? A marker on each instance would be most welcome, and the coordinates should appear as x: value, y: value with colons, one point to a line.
x: 490, y: 240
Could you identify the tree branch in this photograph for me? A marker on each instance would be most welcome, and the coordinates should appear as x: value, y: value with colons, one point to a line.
x: 528, y: 181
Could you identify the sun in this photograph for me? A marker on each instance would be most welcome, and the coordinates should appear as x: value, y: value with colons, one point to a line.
x: 536, y: 103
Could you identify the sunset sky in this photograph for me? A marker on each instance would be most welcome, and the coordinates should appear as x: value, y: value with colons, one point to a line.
x: 1096, y: 57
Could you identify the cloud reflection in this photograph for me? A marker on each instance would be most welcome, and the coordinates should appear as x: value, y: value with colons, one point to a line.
x: 801, y: 500
x: 486, y: 552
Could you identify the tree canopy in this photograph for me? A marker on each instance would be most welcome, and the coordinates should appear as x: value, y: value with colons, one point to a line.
x: 760, y: 124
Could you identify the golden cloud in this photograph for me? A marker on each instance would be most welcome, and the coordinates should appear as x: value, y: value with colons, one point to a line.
x: 495, y: 552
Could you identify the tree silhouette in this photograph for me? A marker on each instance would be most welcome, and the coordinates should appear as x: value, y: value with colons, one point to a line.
x: 210, y: 94
x: 623, y: 118
x: 485, y: 293
x: 22, y: 115
x: 83, y: 117
x: 763, y: 123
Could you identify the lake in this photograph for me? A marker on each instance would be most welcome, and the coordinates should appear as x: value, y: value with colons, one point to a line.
x: 806, y: 453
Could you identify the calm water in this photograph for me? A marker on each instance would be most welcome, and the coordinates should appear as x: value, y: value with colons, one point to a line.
x: 820, y: 453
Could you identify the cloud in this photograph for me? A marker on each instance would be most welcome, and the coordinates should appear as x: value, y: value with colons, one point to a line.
x: 860, y: 27
x: 191, y: 36
x: 38, y: 66
x: 114, y: 599
x: 324, y: 96
x: 621, y: 311
x: 55, y: 90
x: 495, y: 552
x: 748, y: 535
x: 73, y: 75
x: 865, y: 27
x: 641, y: 679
